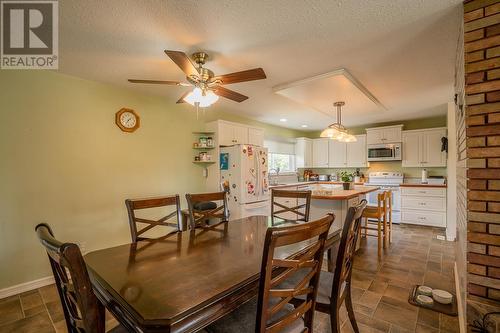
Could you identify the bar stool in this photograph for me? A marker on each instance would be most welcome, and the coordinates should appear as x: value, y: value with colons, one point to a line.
x: 382, y: 213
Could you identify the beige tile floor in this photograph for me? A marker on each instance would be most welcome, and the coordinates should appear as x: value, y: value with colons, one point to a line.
x: 380, y: 292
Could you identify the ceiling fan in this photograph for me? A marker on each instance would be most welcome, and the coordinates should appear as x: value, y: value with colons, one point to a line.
x: 207, y: 86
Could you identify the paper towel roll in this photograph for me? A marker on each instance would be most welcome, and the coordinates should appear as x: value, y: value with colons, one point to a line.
x: 424, y: 176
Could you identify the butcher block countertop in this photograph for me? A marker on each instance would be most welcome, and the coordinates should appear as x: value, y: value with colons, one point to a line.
x: 338, y: 193
x: 308, y: 183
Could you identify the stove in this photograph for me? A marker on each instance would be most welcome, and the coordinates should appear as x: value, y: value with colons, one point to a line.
x: 386, y: 181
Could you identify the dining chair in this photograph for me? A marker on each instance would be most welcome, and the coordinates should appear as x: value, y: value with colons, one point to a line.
x: 82, y: 310
x: 290, y: 206
x: 272, y: 310
x: 203, y: 207
x: 335, y: 288
x: 134, y: 205
x: 382, y: 213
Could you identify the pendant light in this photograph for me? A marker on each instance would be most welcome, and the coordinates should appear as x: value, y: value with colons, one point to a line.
x: 337, y: 131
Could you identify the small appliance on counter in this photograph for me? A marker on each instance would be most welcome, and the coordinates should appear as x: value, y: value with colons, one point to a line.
x: 307, y: 175
x: 323, y: 178
x: 313, y: 177
x: 333, y: 177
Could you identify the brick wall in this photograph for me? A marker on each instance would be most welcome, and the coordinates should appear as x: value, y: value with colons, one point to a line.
x: 482, y: 129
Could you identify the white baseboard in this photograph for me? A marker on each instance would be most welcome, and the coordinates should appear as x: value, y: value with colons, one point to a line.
x: 461, y: 315
x: 27, y: 286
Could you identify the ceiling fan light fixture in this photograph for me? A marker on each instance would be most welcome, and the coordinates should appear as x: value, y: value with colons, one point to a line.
x: 200, y: 97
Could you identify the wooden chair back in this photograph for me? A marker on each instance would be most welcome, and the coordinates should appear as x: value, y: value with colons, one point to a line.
x: 345, y: 255
x: 82, y: 311
x: 199, y: 218
x: 275, y: 271
x: 295, y: 212
x: 134, y: 205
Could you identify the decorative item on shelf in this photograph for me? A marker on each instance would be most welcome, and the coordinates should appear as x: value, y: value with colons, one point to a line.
x: 197, y: 158
x: 347, y: 179
x: 205, y: 157
x: 202, y: 141
x: 337, y: 131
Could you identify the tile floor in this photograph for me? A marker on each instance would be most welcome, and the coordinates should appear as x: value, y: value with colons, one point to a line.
x: 380, y: 292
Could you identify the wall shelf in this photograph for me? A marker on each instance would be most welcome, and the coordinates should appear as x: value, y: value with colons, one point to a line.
x: 203, y: 162
x: 204, y: 133
x: 203, y: 148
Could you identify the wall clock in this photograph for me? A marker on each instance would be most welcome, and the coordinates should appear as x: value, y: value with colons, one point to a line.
x: 127, y: 120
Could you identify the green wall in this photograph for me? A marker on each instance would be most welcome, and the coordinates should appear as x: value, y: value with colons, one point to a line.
x: 65, y: 162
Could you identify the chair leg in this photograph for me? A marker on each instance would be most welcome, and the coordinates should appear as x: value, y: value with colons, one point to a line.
x: 366, y: 227
x: 334, y: 320
x: 390, y: 226
x: 350, y: 311
x: 384, y: 229
x: 379, y: 236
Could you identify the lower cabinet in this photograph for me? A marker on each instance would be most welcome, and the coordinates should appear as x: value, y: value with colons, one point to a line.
x: 424, y: 206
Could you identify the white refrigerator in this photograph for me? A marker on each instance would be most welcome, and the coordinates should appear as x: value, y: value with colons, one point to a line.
x: 244, y: 176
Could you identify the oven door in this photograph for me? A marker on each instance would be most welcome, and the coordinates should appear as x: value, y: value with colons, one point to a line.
x: 396, y: 201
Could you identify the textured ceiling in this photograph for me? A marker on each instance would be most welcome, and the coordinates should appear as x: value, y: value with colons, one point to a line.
x: 402, y: 51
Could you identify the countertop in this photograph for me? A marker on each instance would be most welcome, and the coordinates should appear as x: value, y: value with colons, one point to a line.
x: 341, y: 194
x: 308, y: 183
x: 333, y: 193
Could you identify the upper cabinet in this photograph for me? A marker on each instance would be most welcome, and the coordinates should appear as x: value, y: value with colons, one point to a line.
x: 348, y: 155
x: 422, y: 148
x: 229, y: 133
x: 320, y: 153
x: 328, y: 153
x: 381, y: 135
x: 256, y: 136
x: 303, y: 153
x: 337, y: 154
x: 356, y: 153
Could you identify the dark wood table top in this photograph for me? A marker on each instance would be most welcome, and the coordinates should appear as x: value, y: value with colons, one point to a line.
x: 186, y: 281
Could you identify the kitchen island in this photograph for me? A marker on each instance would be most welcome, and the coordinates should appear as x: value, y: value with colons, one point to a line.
x: 331, y: 198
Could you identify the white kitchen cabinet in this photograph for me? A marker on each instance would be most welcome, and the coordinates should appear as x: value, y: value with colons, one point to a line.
x: 356, y: 153
x: 433, y: 156
x: 240, y: 134
x: 256, y: 136
x: 424, y: 206
x: 303, y: 153
x: 320, y: 153
x: 229, y: 133
x: 337, y: 154
x: 347, y: 155
x: 422, y: 148
x: 381, y: 135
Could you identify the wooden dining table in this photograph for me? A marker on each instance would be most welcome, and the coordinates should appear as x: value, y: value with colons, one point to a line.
x: 188, y: 280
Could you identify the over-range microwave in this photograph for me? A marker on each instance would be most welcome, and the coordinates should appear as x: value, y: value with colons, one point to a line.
x: 384, y: 152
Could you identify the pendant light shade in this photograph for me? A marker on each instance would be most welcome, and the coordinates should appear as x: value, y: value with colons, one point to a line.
x: 337, y: 131
x: 204, y: 98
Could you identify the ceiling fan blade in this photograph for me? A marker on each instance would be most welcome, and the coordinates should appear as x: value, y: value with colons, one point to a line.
x: 183, y: 61
x: 172, y: 83
x: 229, y: 94
x: 243, y: 76
x: 181, y: 100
